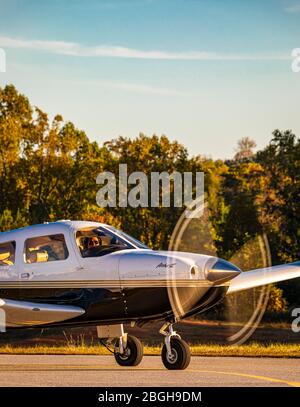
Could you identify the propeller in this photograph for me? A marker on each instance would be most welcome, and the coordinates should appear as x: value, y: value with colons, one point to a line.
x: 241, y: 312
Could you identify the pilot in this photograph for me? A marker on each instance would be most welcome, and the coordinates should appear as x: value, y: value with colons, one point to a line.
x: 90, y: 246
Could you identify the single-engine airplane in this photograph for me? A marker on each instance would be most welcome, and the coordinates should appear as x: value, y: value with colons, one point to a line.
x: 77, y: 273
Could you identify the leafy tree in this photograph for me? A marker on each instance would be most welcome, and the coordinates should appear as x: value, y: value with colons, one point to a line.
x: 280, y: 205
x: 276, y: 303
x: 149, y: 154
x: 9, y: 222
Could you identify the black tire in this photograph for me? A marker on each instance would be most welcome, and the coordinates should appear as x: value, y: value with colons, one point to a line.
x: 181, y: 355
x: 133, y: 353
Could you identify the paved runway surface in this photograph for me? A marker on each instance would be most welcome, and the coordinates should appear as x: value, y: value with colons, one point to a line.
x: 28, y: 370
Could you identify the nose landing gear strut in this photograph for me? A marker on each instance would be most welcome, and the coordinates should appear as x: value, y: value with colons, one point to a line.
x: 176, y: 354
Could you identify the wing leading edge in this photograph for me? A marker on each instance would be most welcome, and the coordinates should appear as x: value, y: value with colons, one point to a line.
x: 22, y: 313
x: 264, y: 276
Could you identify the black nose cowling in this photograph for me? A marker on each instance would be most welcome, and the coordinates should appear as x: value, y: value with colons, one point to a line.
x: 222, y: 271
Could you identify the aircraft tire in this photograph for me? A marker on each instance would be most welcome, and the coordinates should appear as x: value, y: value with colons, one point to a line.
x: 133, y: 354
x: 181, y: 355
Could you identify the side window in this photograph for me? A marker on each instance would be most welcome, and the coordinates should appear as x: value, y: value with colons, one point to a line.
x: 46, y: 248
x: 96, y: 242
x: 7, y: 253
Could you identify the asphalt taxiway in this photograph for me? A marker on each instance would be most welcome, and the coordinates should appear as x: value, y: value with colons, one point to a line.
x: 71, y: 370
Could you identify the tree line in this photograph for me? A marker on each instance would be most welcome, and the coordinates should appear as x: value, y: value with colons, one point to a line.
x: 48, y: 171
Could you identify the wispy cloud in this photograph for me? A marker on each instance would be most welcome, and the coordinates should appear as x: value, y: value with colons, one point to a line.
x: 293, y: 8
x: 131, y: 87
x: 58, y: 47
x: 110, y: 51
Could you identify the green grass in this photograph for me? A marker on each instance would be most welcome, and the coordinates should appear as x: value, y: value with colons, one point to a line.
x: 249, y: 350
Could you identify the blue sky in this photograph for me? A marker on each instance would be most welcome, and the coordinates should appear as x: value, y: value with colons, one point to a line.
x: 203, y: 72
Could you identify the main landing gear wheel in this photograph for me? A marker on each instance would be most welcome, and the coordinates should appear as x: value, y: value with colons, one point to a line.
x: 132, y: 354
x: 180, y: 356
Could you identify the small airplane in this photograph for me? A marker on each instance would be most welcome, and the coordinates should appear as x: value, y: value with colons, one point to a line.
x: 77, y: 273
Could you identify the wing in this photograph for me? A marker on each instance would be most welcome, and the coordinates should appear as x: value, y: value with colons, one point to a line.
x: 22, y: 313
x: 264, y: 276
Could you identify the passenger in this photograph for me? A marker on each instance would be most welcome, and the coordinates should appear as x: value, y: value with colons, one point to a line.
x: 7, y: 255
x: 6, y: 259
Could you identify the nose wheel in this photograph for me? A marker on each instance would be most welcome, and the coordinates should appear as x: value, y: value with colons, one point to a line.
x: 176, y: 354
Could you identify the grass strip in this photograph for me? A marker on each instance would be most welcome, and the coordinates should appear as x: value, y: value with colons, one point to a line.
x: 275, y: 350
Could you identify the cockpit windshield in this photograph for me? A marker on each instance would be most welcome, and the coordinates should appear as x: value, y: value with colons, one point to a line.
x: 99, y: 241
x: 131, y: 239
